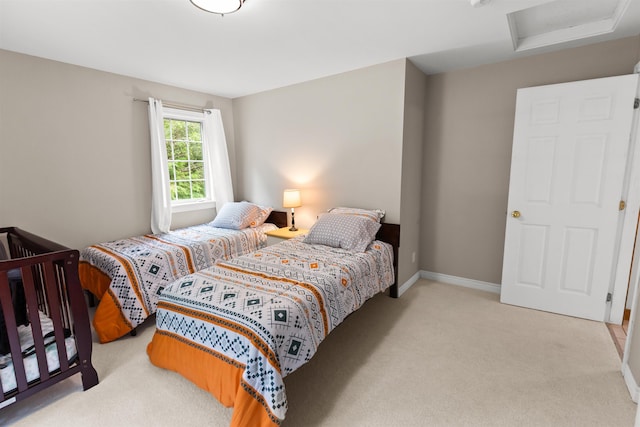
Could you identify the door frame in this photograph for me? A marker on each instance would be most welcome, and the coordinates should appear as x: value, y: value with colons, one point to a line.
x: 620, y: 292
x: 627, y: 271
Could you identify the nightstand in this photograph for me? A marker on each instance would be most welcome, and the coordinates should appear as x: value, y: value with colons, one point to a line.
x: 277, y: 236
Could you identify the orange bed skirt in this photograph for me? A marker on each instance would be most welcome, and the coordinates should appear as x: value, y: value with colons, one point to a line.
x: 214, y: 373
x: 108, y: 320
x: 93, y: 279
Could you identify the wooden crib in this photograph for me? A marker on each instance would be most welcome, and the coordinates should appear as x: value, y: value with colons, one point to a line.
x: 57, y: 317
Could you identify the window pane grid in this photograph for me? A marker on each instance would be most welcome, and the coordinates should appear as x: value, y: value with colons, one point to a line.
x: 185, y: 161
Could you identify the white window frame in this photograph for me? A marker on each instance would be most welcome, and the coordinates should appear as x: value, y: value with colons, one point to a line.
x: 208, y: 202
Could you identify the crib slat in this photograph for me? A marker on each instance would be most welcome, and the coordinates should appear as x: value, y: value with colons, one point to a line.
x: 12, y: 332
x: 54, y: 301
x: 31, y: 282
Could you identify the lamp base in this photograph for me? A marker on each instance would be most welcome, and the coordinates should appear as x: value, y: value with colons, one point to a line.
x: 293, y: 221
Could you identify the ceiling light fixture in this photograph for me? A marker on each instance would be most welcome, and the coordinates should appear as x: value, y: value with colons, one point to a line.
x: 221, y: 7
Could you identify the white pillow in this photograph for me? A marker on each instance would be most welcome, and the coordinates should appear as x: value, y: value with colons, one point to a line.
x: 236, y: 215
x: 346, y: 231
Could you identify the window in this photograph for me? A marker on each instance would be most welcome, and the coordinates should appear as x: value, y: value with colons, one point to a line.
x: 189, y: 162
x: 190, y: 186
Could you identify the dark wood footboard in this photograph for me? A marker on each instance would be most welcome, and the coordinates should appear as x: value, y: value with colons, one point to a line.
x: 48, y: 273
x: 390, y: 233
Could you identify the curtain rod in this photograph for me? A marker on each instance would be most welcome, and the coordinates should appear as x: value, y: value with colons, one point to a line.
x: 176, y: 105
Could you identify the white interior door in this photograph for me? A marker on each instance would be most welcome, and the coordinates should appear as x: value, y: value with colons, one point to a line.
x: 570, y: 151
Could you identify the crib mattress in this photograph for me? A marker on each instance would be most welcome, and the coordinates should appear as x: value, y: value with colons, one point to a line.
x: 7, y: 373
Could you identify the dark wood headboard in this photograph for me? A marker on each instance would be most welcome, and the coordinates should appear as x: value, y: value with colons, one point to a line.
x: 279, y: 218
x: 390, y: 233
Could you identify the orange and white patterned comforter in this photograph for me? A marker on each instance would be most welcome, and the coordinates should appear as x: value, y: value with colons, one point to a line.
x: 238, y: 328
x: 128, y: 275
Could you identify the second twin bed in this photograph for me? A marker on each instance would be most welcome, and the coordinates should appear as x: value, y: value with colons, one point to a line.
x: 238, y: 328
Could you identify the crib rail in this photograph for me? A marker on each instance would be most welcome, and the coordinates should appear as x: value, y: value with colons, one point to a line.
x: 49, y: 273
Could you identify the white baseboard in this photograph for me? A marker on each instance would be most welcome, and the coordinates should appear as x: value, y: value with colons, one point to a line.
x: 450, y: 280
x: 460, y: 281
x: 631, y: 383
x: 406, y: 285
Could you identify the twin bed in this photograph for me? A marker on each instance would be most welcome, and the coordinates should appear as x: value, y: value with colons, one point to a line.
x: 238, y: 328
x: 128, y: 275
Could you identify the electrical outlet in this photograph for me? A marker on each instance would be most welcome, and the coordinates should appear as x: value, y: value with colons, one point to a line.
x: 413, y: 257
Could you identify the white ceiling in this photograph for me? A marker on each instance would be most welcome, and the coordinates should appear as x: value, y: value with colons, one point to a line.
x: 274, y: 43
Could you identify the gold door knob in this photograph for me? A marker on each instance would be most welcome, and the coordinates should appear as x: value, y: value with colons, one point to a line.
x: 515, y: 214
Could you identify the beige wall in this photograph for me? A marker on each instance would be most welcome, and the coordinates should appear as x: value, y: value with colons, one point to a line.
x: 75, y: 150
x: 467, y: 153
x: 339, y: 139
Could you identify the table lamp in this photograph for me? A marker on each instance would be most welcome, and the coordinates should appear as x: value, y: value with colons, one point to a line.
x: 291, y: 199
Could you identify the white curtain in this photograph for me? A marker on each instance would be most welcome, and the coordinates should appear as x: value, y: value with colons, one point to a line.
x: 217, y: 158
x: 160, y: 191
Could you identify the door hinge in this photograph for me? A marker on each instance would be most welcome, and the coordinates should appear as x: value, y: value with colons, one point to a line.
x: 636, y: 103
x: 622, y: 205
x: 609, y: 297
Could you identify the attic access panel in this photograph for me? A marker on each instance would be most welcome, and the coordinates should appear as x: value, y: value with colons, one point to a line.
x: 564, y: 20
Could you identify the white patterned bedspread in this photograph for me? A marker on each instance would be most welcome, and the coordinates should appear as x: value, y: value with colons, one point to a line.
x: 7, y: 373
x: 134, y: 271
x: 289, y: 296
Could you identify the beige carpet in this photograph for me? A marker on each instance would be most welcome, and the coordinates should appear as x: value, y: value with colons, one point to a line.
x: 441, y: 355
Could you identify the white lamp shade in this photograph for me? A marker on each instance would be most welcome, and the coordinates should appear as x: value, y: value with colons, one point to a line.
x: 291, y: 199
x: 221, y: 7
